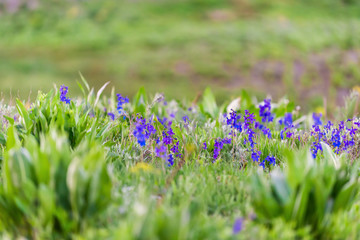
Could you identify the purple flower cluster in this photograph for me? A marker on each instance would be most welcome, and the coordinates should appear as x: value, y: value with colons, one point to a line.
x: 288, y: 123
x: 161, y: 151
x: 175, y: 149
x: 238, y: 225
x: 63, y: 92
x: 170, y: 160
x: 317, y: 119
x: 186, y: 120
x: 167, y: 140
x: 164, y: 121
x: 234, y: 121
x: 249, y: 119
x: 120, y: 102
x: 270, y: 159
x: 288, y: 120
x: 340, y: 138
x: 316, y: 145
x: 143, y: 130
x: 168, y: 136
x: 219, y: 144
x: 248, y: 125
x: 266, y: 131
x: 255, y: 155
x: 111, y: 115
x: 265, y: 111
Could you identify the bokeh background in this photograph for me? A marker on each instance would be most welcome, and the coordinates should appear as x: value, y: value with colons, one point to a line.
x: 304, y: 49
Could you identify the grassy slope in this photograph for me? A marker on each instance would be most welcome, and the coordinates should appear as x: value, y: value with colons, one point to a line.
x: 179, y: 48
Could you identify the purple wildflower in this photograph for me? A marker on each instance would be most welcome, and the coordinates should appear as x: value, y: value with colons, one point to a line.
x: 111, y: 115
x: 120, y: 102
x: 265, y: 111
x: 317, y: 119
x: 170, y: 160
x: 63, y: 92
x: 238, y: 225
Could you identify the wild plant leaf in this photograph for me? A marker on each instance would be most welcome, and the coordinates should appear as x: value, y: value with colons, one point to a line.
x: 281, y: 189
x: 84, y: 81
x: 99, y: 93
x: 208, y: 104
x: 140, y: 101
x: 330, y: 155
x: 24, y: 114
x: 346, y: 195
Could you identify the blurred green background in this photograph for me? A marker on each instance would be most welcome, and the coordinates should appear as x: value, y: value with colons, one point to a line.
x: 307, y: 50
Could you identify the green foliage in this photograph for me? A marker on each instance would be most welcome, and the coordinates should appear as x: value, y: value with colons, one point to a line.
x: 71, y: 171
x: 48, y: 190
x: 76, y: 120
x: 208, y: 105
x: 306, y: 193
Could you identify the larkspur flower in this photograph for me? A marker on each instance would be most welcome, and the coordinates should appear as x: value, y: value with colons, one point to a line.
x: 288, y: 120
x: 271, y: 160
x: 250, y: 137
x: 289, y: 134
x: 63, y: 92
x: 352, y: 131
x: 328, y: 126
x: 160, y: 151
x: 170, y: 160
x: 111, y: 115
x: 175, y: 149
x: 265, y: 111
x: 316, y: 145
x: 167, y: 139
x: 143, y: 130
x: 162, y: 120
x: 219, y: 144
x: 238, y: 225
x: 262, y: 164
x: 317, y: 119
x: 266, y: 132
x: 249, y: 119
x: 255, y: 155
x: 186, y: 119
x: 120, y: 102
x: 227, y: 141
x: 217, y: 148
x: 234, y: 120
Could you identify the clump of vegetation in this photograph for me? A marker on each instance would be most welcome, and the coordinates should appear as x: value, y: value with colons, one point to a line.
x: 97, y: 167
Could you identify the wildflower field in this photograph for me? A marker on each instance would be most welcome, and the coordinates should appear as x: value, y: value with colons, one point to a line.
x: 109, y: 167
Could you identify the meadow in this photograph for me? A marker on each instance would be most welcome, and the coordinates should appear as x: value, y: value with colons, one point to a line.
x: 198, y: 119
x: 306, y: 50
x: 110, y: 167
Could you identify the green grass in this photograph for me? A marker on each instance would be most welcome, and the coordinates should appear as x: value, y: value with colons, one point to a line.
x: 70, y: 172
x: 176, y: 48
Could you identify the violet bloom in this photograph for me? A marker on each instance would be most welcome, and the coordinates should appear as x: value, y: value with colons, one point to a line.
x: 265, y: 111
x: 186, y: 119
x: 288, y: 119
x: 170, y: 160
x: 63, y: 92
x: 120, y: 102
x: 317, y: 119
x: 111, y: 115
x: 160, y: 151
x: 238, y: 225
